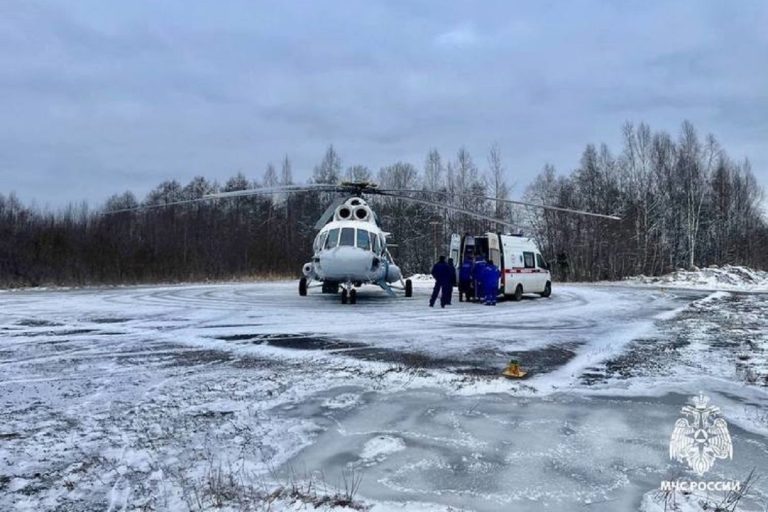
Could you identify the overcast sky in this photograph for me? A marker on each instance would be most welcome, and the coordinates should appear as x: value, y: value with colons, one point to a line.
x: 102, y: 96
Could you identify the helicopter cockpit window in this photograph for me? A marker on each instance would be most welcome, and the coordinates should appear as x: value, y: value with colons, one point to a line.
x: 376, y: 248
x: 333, y: 239
x: 363, y: 240
x: 347, y: 237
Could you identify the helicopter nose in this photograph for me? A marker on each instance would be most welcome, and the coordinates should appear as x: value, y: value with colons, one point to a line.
x: 346, y: 263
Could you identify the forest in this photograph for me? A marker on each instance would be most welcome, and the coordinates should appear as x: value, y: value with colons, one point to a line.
x: 682, y: 200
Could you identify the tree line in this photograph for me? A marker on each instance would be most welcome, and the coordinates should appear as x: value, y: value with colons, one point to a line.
x: 683, y: 202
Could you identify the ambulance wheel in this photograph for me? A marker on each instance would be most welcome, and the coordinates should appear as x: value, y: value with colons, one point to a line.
x: 547, y: 290
x: 344, y: 296
x: 408, y: 288
x: 518, y: 293
x: 303, y: 286
x: 353, y: 296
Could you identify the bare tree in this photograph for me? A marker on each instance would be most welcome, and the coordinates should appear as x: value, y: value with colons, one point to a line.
x: 329, y: 170
x: 357, y: 173
x: 433, y: 171
x: 498, y: 183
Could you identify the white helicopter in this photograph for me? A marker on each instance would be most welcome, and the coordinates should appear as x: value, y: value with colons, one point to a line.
x: 351, y: 249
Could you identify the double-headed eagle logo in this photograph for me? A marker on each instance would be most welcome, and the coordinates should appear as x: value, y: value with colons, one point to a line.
x: 700, y: 436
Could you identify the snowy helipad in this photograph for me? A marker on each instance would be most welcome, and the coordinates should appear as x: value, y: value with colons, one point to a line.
x: 248, y: 396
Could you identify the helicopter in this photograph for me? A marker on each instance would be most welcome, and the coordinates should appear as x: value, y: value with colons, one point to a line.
x: 351, y: 249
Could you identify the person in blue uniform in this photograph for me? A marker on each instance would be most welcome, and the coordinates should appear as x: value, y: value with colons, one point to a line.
x: 477, y: 276
x: 491, y: 276
x: 465, y: 279
x: 441, y: 271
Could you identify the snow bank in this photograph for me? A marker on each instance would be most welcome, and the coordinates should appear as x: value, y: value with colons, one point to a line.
x: 728, y: 277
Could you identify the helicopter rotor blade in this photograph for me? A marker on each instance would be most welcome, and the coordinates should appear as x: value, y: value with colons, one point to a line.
x: 523, y: 203
x: 398, y: 191
x: 323, y: 220
x: 555, y: 208
x: 273, y: 190
x: 286, y: 189
x: 444, y: 206
x: 154, y: 206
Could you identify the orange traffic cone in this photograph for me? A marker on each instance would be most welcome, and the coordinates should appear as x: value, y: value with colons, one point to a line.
x: 513, y: 371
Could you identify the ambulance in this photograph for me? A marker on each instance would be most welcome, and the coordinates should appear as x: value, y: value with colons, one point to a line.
x: 523, y: 269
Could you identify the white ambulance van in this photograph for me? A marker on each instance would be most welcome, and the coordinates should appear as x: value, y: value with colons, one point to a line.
x: 523, y: 269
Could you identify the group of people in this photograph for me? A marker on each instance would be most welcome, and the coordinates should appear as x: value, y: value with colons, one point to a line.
x: 478, y: 281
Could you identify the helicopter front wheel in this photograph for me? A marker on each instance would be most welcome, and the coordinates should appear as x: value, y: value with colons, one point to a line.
x: 303, y: 286
x: 344, y: 294
x: 408, y: 288
x: 353, y: 296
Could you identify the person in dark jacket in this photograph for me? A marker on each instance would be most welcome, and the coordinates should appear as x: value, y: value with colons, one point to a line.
x: 442, y: 274
x: 465, y: 278
x: 448, y: 292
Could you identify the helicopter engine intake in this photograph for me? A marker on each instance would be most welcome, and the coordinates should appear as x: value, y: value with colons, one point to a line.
x: 362, y: 213
x: 343, y: 212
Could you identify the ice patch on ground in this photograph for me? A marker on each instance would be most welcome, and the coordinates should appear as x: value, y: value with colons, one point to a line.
x: 381, y: 446
x: 342, y: 401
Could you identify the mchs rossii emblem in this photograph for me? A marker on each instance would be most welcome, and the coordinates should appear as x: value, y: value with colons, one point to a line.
x: 701, y: 436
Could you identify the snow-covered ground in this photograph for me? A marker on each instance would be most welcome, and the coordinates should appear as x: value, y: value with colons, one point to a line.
x: 247, y: 396
x: 727, y: 277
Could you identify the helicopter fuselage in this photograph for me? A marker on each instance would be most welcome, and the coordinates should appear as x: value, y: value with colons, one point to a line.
x: 351, y: 251
x: 352, y: 248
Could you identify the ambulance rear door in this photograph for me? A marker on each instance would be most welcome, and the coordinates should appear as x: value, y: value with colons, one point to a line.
x: 454, y: 249
x: 494, y: 249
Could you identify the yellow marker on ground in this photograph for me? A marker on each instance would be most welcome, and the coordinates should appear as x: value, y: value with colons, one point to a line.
x: 513, y: 370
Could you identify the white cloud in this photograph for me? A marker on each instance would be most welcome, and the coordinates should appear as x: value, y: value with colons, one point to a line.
x: 459, y: 37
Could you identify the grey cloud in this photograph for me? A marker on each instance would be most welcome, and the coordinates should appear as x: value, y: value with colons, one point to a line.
x: 97, y: 97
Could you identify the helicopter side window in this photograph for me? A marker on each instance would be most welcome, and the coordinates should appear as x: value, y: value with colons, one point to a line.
x: 333, y: 239
x: 320, y: 241
x: 347, y: 237
x: 363, y: 240
x: 375, y: 240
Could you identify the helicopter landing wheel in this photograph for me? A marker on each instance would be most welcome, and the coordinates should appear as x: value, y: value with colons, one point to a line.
x: 408, y: 288
x: 353, y: 296
x: 303, y: 286
x: 344, y: 296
